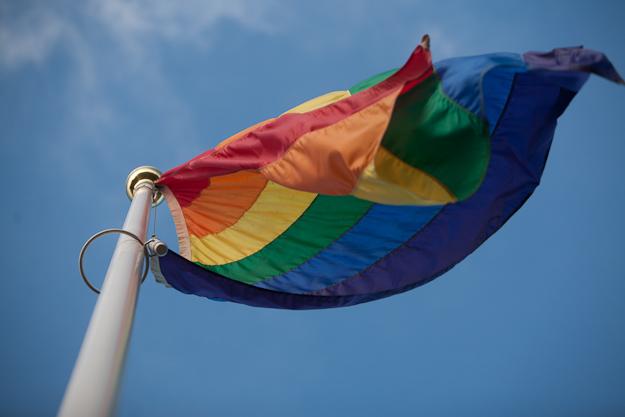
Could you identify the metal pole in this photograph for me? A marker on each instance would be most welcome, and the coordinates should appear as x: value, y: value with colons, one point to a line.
x: 93, y: 386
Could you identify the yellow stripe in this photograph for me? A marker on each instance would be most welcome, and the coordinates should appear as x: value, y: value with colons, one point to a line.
x: 275, y: 210
x: 389, y: 180
x: 318, y: 102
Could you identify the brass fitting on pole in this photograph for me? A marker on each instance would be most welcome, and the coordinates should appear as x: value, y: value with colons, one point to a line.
x: 139, y: 175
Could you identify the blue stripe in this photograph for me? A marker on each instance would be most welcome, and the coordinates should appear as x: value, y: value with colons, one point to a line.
x: 480, y: 83
x: 380, y: 231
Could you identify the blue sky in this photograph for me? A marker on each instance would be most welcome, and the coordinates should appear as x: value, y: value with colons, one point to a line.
x: 530, y: 324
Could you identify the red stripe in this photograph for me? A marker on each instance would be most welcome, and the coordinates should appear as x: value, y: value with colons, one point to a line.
x: 270, y: 141
x: 410, y: 84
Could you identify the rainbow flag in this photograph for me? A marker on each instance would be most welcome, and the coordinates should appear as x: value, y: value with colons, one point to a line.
x: 364, y: 193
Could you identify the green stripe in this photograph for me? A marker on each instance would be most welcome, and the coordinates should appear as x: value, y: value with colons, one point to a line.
x: 325, y: 220
x: 431, y: 132
x: 371, y: 81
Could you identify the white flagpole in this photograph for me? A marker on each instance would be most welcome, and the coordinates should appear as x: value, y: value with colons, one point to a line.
x: 93, y: 386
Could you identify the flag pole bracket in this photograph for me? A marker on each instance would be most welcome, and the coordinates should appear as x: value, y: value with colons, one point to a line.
x: 138, y: 177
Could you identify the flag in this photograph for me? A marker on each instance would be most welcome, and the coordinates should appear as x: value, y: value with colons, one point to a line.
x: 360, y: 194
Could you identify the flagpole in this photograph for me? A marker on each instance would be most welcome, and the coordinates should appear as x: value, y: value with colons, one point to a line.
x: 93, y: 386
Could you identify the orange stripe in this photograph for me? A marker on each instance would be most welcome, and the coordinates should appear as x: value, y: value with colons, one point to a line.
x: 330, y: 160
x: 275, y: 210
x: 223, y: 202
x: 226, y: 198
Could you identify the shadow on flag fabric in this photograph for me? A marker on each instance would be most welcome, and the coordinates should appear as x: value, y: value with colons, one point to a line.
x: 360, y: 194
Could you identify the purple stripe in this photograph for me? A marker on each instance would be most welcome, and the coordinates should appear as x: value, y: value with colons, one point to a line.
x: 573, y: 59
x: 190, y: 278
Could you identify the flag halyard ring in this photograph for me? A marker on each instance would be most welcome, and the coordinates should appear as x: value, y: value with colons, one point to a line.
x: 107, y: 232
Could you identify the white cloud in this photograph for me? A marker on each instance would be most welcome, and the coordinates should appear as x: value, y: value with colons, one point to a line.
x: 110, y: 46
x: 29, y: 38
x: 136, y: 24
x: 35, y: 32
x: 181, y: 20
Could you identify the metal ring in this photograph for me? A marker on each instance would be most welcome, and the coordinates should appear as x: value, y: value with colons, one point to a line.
x: 146, y: 260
